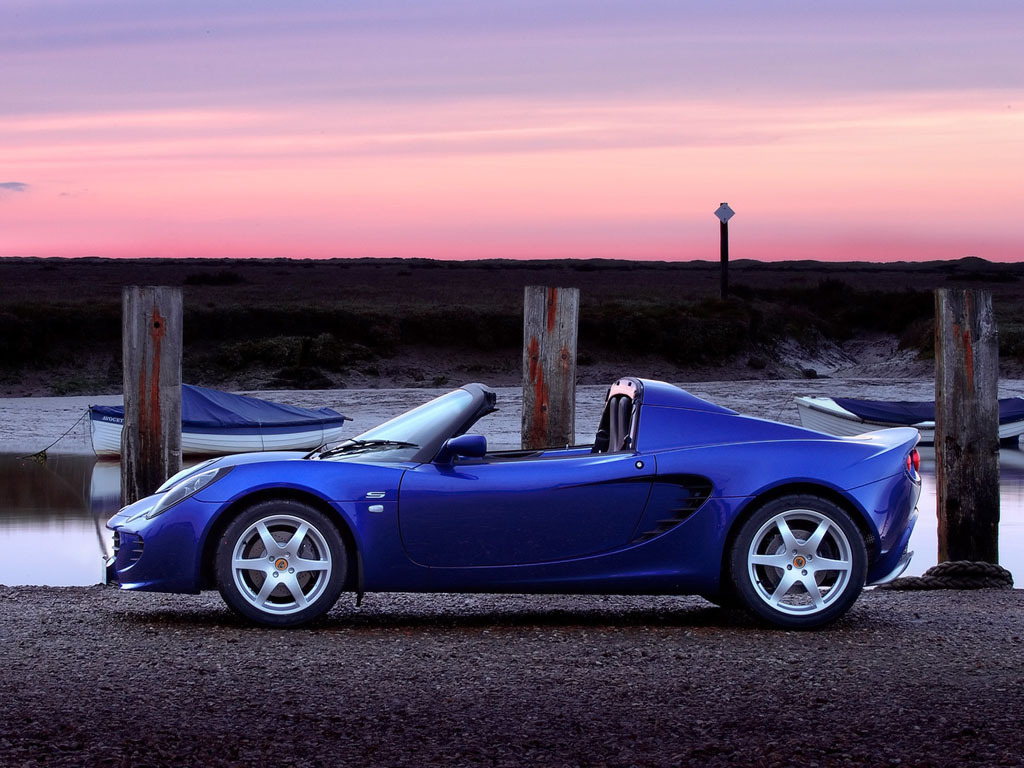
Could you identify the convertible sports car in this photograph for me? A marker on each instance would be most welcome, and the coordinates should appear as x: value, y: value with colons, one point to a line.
x: 675, y: 496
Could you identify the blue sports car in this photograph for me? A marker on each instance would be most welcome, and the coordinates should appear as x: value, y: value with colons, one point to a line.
x: 676, y: 495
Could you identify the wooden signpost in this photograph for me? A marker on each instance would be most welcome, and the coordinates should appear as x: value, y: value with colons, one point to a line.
x: 966, y: 425
x: 151, y: 337
x: 724, y: 213
x: 550, y: 331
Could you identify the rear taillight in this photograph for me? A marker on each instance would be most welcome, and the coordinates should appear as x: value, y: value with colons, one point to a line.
x: 914, y: 462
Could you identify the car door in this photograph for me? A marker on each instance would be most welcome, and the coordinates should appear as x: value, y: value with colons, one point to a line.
x: 493, y: 512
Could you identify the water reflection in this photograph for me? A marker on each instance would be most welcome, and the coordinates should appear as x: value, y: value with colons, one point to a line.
x: 925, y: 539
x: 52, y: 518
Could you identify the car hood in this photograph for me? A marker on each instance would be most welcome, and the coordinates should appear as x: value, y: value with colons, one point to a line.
x: 237, y: 459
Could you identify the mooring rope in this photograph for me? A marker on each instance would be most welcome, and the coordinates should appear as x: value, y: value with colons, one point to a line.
x: 957, y: 574
x: 40, y: 456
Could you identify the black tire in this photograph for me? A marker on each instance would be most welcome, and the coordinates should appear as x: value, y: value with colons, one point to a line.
x: 798, y: 562
x: 296, y: 558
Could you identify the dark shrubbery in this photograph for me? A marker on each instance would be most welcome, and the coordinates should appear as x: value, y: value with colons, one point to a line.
x: 308, y: 323
x: 224, y: 277
x: 475, y: 327
x: 323, y: 351
x: 1011, y: 341
x: 840, y: 312
x: 40, y: 335
x: 232, y: 336
x: 702, y: 333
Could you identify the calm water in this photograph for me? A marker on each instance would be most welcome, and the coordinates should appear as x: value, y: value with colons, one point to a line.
x: 52, y: 518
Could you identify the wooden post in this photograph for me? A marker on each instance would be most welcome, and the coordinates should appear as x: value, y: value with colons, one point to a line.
x: 966, y: 425
x: 550, y: 330
x: 151, y: 325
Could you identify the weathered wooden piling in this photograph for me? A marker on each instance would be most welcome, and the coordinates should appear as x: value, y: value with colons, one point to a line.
x: 151, y: 334
x: 966, y: 425
x: 550, y: 331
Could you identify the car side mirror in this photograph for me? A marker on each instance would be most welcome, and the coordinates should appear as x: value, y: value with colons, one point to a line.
x: 471, y: 446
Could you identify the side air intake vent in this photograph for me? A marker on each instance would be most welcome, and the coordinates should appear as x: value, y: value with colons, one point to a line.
x: 674, y: 498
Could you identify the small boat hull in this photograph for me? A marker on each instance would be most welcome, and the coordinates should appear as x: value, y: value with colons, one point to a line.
x: 106, y: 439
x: 214, y: 423
x: 823, y: 414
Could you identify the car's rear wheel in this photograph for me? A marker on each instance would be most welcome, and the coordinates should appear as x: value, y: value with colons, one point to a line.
x: 281, y: 563
x: 799, y: 562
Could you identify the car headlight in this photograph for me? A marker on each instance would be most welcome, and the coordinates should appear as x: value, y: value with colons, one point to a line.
x: 187, y: 487
x: 174, y: 479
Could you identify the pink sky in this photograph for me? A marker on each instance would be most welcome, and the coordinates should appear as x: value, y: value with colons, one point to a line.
x: 847, y: 130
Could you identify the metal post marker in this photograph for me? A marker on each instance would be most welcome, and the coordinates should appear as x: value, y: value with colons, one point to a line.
x: 724, y: 213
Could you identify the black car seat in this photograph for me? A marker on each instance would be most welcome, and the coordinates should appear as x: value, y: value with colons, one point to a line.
x: 615, y: 430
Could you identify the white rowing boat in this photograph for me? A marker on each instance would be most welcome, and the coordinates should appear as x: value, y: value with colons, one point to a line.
x: 215, y: 423
x: 850, y: 416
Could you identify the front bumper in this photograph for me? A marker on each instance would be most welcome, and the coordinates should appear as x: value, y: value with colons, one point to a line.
x: 128, y: 548
x: 162, y: 554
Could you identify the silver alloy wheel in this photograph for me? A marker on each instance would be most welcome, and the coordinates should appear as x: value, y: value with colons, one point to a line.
x: 799, y: 562
x: 281, y: 564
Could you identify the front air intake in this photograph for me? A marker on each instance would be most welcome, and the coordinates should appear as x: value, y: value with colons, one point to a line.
x: 132, y: 544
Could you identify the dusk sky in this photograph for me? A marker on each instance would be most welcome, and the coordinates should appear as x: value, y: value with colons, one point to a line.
x: 529, y: 129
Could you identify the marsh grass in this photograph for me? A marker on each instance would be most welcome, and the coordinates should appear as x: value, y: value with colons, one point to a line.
x: 317, y: 322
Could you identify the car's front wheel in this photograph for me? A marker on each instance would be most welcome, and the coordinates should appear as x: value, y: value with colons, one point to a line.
x: 799, y: 562
x: 281, y: 563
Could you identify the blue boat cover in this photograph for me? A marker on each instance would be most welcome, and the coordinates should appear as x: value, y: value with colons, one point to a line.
x: 208, y: 409
x: 914, y: 411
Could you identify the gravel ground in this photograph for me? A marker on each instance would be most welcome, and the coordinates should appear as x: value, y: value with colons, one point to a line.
x: 94, y: 676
